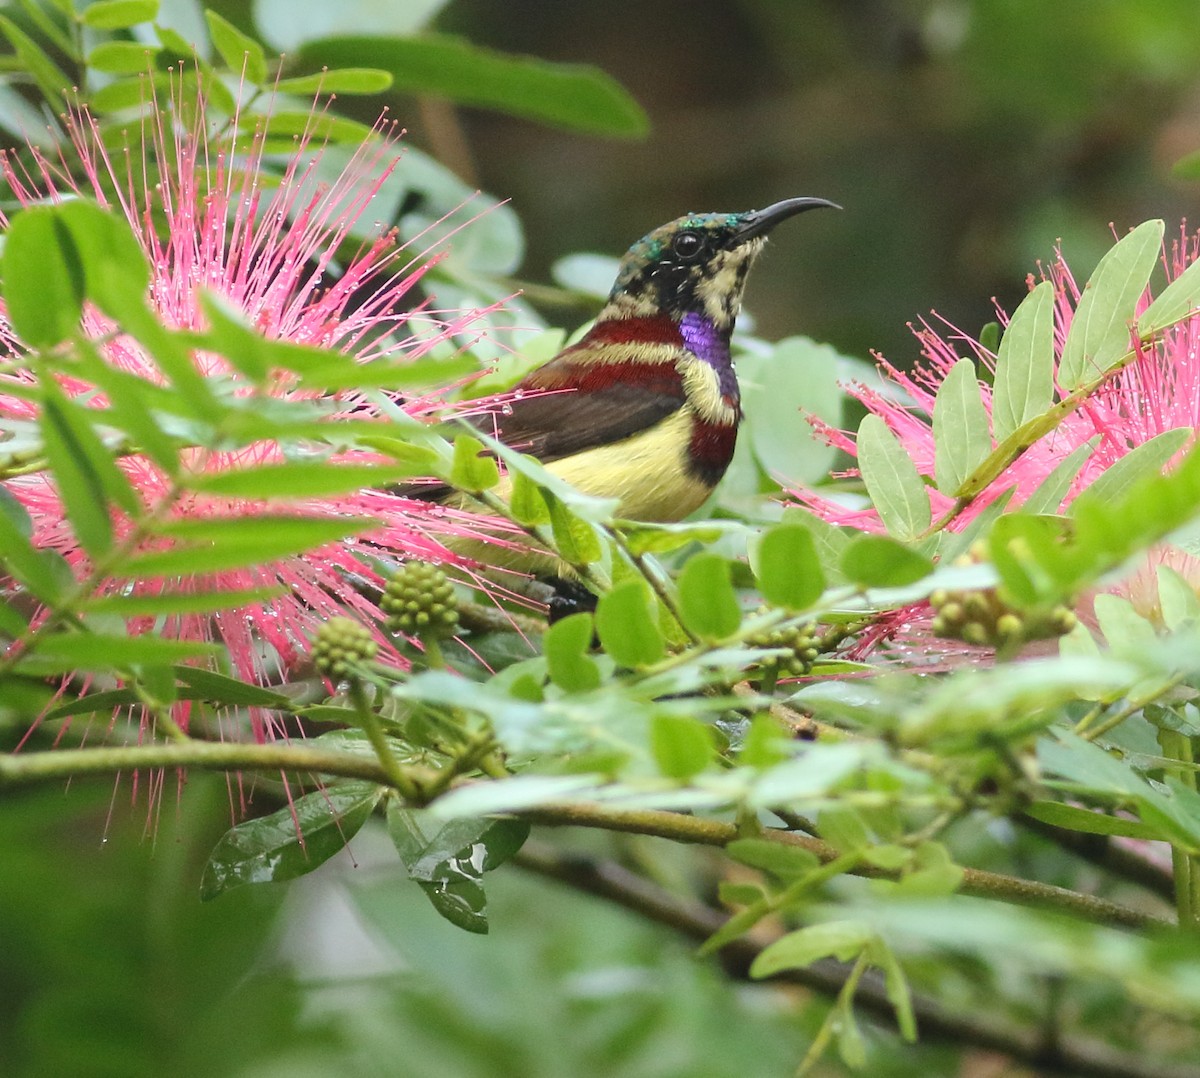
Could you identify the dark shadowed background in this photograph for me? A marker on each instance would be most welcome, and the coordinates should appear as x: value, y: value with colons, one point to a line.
x: 963, y: 139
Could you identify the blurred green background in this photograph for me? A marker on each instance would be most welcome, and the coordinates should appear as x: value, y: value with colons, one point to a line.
x: 964, y: 138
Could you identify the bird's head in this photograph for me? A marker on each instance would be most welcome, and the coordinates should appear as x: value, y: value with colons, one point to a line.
x: 697, y: 263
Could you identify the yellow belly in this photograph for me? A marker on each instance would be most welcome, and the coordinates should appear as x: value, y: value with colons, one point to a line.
x: 646, y: 472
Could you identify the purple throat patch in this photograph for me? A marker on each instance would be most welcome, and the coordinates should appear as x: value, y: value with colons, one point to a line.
x: 710, y: 344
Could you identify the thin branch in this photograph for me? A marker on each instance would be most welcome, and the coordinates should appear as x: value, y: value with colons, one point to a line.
x: 19, y: 769
x: 976, y: 882
x: 24, y: 768
x: 696, y: 921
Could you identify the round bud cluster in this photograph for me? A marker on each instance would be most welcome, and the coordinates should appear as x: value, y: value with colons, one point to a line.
x: 982, y: 618
x: 341, y: 645
x: 419, y: 601
x: 799, y: 640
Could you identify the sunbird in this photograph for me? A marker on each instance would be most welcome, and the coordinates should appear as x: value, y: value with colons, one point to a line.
x: 645, y: 407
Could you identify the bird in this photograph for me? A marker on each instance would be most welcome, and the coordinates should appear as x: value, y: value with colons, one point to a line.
x: 645, y: 406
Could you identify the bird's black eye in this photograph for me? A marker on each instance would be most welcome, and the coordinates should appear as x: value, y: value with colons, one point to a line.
x: 688, y: 245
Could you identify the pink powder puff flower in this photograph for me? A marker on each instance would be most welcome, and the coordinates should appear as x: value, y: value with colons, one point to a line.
x: 264, y: 248
x: 1158, y: 391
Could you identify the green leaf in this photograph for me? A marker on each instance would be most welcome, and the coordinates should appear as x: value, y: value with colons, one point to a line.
x: 448, y: 859
x: 1127, y: 632
x: 43, y: 277
x: 75, y: 461
x: 707, y: 602
x: 131, y: 92
x: 1150, y: 457
x: 682, y: 747
x: 70, y: 652
x: 565, y: 645
x: 472, y: 471
x: 843, y: 827
x: 1106, y: 532
x: 1029, y: 555
x: 1100, y: 329
x: 526, y: 501
x: 295, y: 479
x: 960, y: 427
x: 574, y: 538
x: 50, y: 78
x: 645, y: 538
x: 875, y: 561
x: 843, y: 940
x: 1088, y: 765
x: 345, y: 80
x: 218, y: 545
x: 298, y: 532
x: 1023, y: 387
x: 1047, y: 497
x: 892, y: 480
x: 18, y: 555
x: 890, y: 856
x: 935, y: 874
x: 283, y: 126
x: 167, y: 601
x: 1073, y: 818
x: 132, y: 404
x: 1178, y: 600
x: 93, y: 703
x: 788, y: 568
x: 74, y: 425
x: 50, y: 27
x: 291, y: 842
x: 829, y: 539
x: 228, y: 691
x: 799, y: 377
x: 119, y: 14
x: 786, y: 862
x: 123, y: 57
x: 237, y: 49
x: 1176, y: 301
x: 896, y: 989
x: 116, y: 272
x: 577, y: 97
x: 627, y: 624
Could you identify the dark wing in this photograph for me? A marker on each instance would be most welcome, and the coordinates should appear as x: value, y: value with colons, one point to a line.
x: 583, y: 398
x: 580, y: 401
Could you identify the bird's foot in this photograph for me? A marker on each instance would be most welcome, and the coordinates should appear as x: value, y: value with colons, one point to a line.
x: 567, y: 597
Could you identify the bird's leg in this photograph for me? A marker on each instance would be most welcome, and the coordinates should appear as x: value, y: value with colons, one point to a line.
x: 561, y: 596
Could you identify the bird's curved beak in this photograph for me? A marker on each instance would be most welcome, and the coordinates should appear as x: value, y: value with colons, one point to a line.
x: 760, y: 222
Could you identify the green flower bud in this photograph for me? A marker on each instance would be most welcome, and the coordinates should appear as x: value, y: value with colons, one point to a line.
x: 419, y: 601
x: 341, y: 645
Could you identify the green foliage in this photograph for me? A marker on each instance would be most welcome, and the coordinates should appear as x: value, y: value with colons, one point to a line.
x: 1023, y: 387
x: 787, y: 567
x: 960, y: 427
x: 572, y: 96
x: 626, y: 623
x: 892, y: 480
x: 448, y: 860
x: 290, y: 842
x: 707, y: 602
x: 1099, y: 334
x: 668, y: 712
